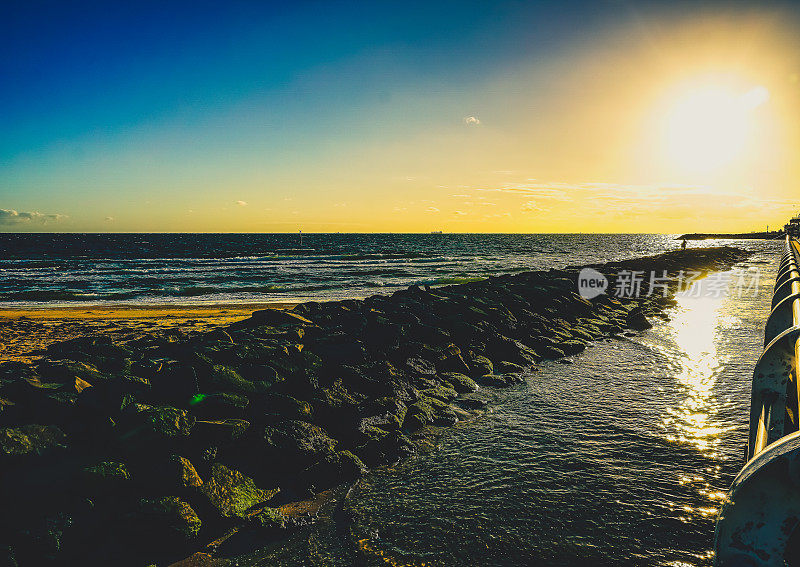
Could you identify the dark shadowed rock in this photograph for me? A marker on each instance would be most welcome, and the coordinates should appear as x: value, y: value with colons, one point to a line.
x: 636, y: 320
x: 277, y: 317
x: 334, y: 469
x: 168, y: 515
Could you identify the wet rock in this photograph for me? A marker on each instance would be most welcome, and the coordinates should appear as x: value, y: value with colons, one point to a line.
x: 233, y: 494
x: 494, y: 380
x: 334, y: 469
x: 419, y: 414
x: 461, y: 383
x: 471, y: 403
x: 572, y: 347
x: 480, y: 365
x: 385, y: 413
x: 505, y: 367
x: 515, y: 351
x: 636, y: 320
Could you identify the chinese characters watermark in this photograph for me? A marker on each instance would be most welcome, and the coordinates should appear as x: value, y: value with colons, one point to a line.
x: 632, y: 284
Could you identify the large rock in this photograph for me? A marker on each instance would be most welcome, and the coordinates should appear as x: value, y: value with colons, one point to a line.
x: 30, y: 440
x: 167, y: 422
x: 233, y: 494
x: 636, y: 320
x: 461, y: 383
x: 277, y: 317
x: 297, y: 441
x: 480, y: 365
x: 334, y: 469
x: 228, y: 379
x: 169, y: 514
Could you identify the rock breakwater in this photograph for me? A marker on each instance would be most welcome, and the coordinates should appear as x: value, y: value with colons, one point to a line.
x: 148, y: 450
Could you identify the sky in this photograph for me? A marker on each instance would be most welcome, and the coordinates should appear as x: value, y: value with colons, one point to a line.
x: 598, y: 116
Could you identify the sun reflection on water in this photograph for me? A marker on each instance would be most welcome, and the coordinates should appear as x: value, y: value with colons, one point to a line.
x: 694, y: 325
x: 691, y: 419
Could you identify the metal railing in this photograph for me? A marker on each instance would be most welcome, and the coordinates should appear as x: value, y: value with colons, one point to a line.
x: 759, y: 523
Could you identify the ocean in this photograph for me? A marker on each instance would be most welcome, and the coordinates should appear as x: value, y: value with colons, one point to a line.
x: 87, y: 269
x: 620, y: 458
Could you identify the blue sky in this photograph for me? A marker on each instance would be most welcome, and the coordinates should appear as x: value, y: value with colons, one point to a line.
x: 131, y: 116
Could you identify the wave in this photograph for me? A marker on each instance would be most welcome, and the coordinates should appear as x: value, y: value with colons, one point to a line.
x: 194, y: 291
x: 451, y: 280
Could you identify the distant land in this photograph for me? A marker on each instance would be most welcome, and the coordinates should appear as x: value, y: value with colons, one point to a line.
x: 771, y: 235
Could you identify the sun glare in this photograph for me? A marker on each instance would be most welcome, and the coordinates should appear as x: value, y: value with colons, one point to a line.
x: 709, y: 127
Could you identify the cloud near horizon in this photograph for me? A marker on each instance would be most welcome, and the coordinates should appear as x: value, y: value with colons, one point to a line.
x: 10, y: 216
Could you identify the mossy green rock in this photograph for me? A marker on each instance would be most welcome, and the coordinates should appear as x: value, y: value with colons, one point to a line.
x: 226, y: 378
x: 440, y: 393
x: 298, y: 440
x: 232, y: 493
x: 270, y: 519
x: 419, y: 414
x: 169, y: 422
x: 461, y: 383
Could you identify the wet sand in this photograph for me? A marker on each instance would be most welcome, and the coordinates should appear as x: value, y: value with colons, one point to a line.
x: 25, y: 332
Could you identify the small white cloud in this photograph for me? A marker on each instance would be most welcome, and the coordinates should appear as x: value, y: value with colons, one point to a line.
x: 340, y: 205
x: 109, y: 219
x: 431, y: 210
x: 459, y: 213
x: 471, y: 121
x: 241, y: 203
x: 461, y: 196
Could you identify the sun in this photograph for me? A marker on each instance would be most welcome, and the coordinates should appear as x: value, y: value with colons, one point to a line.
x: 709, y: 127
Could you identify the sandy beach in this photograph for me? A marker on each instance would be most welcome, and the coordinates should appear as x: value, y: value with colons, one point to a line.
x: 26, y: 331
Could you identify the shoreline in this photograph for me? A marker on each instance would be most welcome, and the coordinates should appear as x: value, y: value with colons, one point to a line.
x: 138, y: 310
x: 186, y: 436
x: 25, y: 332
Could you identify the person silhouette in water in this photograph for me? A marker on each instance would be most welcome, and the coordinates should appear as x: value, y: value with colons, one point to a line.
x: 683, y: 244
